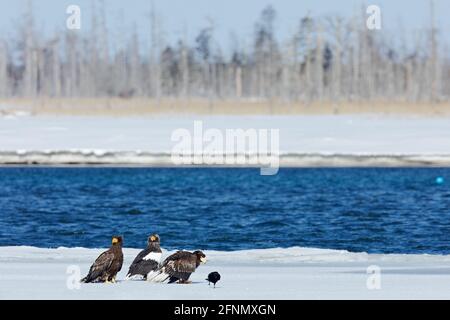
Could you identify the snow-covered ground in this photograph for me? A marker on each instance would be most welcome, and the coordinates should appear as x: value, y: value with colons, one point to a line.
x: 346, y: 134
x: 304, y: 140
x: 294, y: 273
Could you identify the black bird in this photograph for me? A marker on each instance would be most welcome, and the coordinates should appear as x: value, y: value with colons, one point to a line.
x: 213, y: 277
x: 178, y: 267
x: 147, y: 260
x: 107, y: 265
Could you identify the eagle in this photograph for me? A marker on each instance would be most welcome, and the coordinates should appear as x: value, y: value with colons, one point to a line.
x: 107, y: 265
x: 178, y: 267
x: 147, y: 260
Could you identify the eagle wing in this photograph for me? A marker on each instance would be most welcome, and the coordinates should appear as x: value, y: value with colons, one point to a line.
x: 179, y: 264
x: 142, y: 266
x: 140, y: 256
x: 100, y: 265
x: 120, y: 262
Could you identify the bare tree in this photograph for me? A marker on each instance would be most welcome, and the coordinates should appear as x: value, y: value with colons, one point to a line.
x: 328, y: 59
x: 4, y: 81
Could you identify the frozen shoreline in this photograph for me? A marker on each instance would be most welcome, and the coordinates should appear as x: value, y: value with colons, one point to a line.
x: 347, y: 140
x: 148, y: 159
x: 293, y: 273
x: 139, y: 158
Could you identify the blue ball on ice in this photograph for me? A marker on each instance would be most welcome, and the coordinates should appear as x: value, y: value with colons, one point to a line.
x: 440, y: 180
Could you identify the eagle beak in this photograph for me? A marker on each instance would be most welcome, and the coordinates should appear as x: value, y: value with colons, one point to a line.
x: 203, y: 259
x: 115, y: 240
x: 152, y: 238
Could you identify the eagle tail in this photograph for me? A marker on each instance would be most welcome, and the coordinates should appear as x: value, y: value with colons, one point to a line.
x: 90, y: 278
x: 158, y: 276
x: 173, y: 279
x: 134, y: 277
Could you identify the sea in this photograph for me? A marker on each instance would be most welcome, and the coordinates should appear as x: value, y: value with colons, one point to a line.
x: 374, y: 210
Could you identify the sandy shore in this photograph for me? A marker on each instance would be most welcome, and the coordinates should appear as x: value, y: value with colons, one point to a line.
x: 185, y: 106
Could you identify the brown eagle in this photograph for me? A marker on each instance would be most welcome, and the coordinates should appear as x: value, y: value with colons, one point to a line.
x: 147, y: 260
x: 107, y: 265
x: 178, y: 267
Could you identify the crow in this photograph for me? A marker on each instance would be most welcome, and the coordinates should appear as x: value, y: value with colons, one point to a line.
x: 213, y: 277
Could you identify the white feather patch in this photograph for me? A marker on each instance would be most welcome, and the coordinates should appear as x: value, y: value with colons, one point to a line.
x: 155, y: 256
x: 134, y: 277
x: 157, y: 276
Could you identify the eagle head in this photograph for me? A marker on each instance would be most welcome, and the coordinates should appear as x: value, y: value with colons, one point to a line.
x: 116, y: 240
x: 200, y: 256
x: 154, y: 238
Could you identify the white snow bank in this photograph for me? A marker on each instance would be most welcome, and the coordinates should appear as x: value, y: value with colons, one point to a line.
x: 344, y: 134
x: 148, y: 159
x: 324, y: 140
x: 293, y: 273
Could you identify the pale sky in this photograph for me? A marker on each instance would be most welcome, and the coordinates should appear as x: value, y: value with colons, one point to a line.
x: 237, y: 16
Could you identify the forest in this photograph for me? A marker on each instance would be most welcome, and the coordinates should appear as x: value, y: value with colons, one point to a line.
x: 325, y: 59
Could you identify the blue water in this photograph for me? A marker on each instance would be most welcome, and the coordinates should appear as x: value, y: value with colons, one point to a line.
x: 372, y: 210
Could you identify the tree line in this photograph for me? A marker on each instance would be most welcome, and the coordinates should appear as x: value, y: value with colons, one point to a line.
x: 330, y: 59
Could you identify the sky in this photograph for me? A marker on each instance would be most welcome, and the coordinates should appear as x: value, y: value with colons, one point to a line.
x: 186, y: 17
